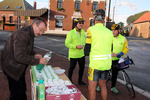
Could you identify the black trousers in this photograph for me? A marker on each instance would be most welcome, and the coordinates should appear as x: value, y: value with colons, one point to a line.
x: 114, y: 73
x: 17, y: 88
x: 73, y: 62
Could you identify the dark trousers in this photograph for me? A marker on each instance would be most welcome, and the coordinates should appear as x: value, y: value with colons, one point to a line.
x: 114, y: 73
x: 73, y: 62
x: 17, y: 88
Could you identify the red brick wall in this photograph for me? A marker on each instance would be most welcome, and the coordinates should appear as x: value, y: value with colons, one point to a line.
x: 7, y: 15
x: 69, y: 7
x: 9, y: 28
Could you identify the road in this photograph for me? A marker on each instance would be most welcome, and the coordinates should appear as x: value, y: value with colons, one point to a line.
x: 139, y: 51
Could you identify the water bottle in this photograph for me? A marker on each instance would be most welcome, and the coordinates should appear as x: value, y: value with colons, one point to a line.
x: 48, y: 55
x: 40, y: 78
x: 41, y: 88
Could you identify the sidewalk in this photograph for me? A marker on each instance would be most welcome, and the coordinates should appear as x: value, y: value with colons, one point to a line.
x: 62, y: 62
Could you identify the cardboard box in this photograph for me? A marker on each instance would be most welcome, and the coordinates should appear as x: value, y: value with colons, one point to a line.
x: 73, y: 96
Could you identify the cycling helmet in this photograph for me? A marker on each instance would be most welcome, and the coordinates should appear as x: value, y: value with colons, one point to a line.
x: 99, y: 14
x: 115, y: 27
x: 78, y: 20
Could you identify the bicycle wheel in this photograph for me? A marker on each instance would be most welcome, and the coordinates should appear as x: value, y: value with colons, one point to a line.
x: 129, y: 84
x: 130, y: 89
x: 109, y: 76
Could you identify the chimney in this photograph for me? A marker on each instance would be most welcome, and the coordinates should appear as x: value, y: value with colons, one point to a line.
x: 34, y: 5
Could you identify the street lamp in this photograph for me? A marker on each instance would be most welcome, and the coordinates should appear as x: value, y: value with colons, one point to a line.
x: 114, y: 11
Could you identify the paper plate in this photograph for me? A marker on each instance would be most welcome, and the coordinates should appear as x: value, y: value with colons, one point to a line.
x: 59, y: 71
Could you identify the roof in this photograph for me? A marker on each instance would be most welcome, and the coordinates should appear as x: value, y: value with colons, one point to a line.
x: 143, y: 18
x: 126, y: 26
x: 15, y: 5
x: 35, y: 12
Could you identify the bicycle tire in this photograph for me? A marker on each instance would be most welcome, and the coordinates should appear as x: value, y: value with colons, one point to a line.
x: 130, y: 89
x: 109, y: 76
x: 129, y: 85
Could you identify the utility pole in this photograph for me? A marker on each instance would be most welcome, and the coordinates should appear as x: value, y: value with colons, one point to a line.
x: 113, y: 13
x: 108, y: 23
x: 109, y: 10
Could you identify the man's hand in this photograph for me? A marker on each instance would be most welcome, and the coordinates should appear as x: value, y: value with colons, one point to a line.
x: 38, y: 56
x: 44, y: 60
x: 113, y: 54
x: 79, y: 46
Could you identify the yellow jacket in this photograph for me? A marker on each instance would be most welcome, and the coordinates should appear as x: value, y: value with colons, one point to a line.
x: 120, y: 44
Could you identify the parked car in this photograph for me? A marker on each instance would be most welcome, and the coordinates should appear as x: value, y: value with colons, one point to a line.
x: 125, y: 31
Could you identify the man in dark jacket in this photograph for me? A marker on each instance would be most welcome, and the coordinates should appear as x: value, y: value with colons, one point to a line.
x: 18, y: 54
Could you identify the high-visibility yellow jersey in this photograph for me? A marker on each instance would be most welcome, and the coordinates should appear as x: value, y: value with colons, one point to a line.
x: 120, y: 44
x: 73, y: 39
x: 101, y: 40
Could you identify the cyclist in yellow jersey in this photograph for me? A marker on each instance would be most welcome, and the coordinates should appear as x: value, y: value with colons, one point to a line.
x: 98, y: 46
x: 75, y: 41
x: 120, y: 48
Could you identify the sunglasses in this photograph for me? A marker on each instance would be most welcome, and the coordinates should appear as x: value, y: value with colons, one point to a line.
x: 81, y: 22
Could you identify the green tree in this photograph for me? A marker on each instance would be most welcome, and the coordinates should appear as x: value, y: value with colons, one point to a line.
x: 133, y: 18
x: 121, y: 23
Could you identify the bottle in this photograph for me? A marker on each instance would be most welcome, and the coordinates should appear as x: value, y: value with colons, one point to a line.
x: 41, y: 87
x: 48, y: 55
x: 39, y: 67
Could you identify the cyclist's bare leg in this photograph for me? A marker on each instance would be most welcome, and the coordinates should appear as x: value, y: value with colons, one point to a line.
x: 102, y: 84
x: 92, y: 90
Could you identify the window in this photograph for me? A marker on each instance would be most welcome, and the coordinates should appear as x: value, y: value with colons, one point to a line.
x: 95, y: 5
x: 4, y: 19
x: 19, y: 7
x: 60, y: 4
x: 11, y: 19
x: 59, y: 23
x: 7, y: 7
x: 77, y: 5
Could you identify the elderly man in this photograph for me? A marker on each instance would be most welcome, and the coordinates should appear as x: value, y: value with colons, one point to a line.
x: 18, y: 54
x: 75, y: 41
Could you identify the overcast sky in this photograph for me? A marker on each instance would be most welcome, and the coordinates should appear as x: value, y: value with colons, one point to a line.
x: 123, y: 8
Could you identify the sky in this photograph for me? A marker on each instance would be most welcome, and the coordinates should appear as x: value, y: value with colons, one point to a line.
x: 123, y: 8
x: 126, y: 8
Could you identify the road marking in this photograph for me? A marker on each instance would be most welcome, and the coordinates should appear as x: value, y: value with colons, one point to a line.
x: 143, y: 92
x: 42, y: 48
x: 54, y: 39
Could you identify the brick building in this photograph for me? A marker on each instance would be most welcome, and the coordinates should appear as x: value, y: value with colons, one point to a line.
x: 141, y: 27
x: 7, y: 9
x: 63, y: 12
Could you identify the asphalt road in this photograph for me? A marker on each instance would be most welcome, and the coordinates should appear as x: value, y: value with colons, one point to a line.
x: 139, y: 52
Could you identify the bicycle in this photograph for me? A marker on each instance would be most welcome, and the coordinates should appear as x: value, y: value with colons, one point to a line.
x: 121, y: 67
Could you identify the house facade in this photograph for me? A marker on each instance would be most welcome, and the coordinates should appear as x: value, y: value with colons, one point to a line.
x: 63, y: 13
x: 141, y: 27
x: 7, y: 8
